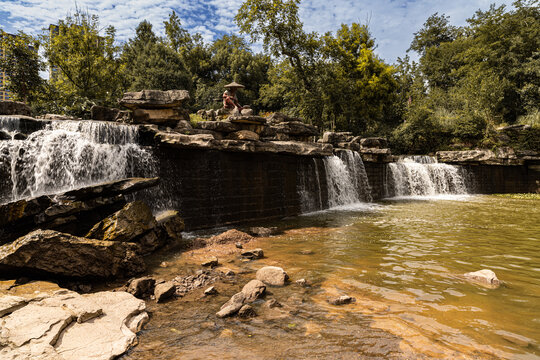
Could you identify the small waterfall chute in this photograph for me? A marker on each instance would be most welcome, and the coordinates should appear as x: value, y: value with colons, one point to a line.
x: 69, y: 154
x: 424, y: 176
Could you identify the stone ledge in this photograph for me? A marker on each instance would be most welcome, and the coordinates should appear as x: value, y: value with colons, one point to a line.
x: 501, y: 156
x: 208, y: 142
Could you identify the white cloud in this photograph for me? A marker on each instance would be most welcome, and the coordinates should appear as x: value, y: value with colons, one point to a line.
x: 392, y: 22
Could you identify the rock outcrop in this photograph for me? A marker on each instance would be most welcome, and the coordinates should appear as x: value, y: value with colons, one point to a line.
x: 69, y: 326
x: 74, y: 212
x: 156, y: 106
x: 501, y: 156
x: 52, y: 252
x: 8, y: 107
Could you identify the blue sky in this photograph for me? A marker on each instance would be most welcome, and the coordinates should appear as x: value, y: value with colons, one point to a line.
x: 392, y: 22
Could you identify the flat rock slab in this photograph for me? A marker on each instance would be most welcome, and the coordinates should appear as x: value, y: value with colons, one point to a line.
x: 150, y: 99
x: 66, y: 325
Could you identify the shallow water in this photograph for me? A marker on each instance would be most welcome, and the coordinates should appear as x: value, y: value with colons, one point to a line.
x: 401, y: 260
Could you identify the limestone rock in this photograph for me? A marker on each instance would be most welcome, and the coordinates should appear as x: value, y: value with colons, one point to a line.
x: 253, y: 290
x: 247, y: 112
x: 210, y: 291
x: 278, y: 117
x: 151, y: 99
x: 246, y: 311
x: 263, y: 231
x: 63, y: 254
x: 251, y: 119
x: 374, y: 142
x: 243, y: 135
x: 8, y: 107
x: 296, y: 128
x: 4, y: 135
x: 232, y: 306
x: 66, y: 325
x: 253, y: 254
x: 171, y: 222
x: 141, y: 287
x: 103, y: 113
x: 211, y: 262
x: 164, y: 291
x: 272, y: 303
x: 230, y: 236
x: 109, y: 189
x: 272, y: 275
x: 342, y: 300
x: 485, y: 277
x: 219, y: 126
x: 183, y: 125
x: 331, y: 137
x: 132, y: 220
x: 501, y: 156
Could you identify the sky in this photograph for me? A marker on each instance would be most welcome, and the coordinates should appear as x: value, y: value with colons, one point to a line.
x: 391, y: 22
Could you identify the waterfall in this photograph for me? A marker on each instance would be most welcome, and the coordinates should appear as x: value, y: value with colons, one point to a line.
x: 68, y: 154
x: 424, y: 176
x: 335, y: 181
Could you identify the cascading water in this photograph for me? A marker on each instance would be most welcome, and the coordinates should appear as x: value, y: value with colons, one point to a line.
x: 343, y: 181
x: 424, y: 176
x: 68, y: 154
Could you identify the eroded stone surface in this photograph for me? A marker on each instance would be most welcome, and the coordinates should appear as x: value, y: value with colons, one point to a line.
x: 272, y: 275
x: 66, y: 325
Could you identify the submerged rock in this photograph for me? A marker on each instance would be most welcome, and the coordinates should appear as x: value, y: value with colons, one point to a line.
x: 246, y: 311
x: 132, y: 220
x: 253, y: 254
x: 272, y: 275
x: 263, y: 231
x: 63, y: 254
x: 211, y: 262
x: 66, y: 325
x: 484, y: 277
x: 342, y: 300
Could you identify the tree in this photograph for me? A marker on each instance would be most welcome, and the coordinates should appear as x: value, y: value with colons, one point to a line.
x: 436, y: 31
x: 177, y: 36
x: 22, y: 65
x: 84, y: 63
x: 151, y: 64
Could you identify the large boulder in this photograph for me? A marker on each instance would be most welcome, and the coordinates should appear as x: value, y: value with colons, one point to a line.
x: 104, y: 113
x: 333, y: 138
x: 52, y: 252
x: 272, y: 275
x: 14, y: 108
x: 154, y: 99
x: 172, y: 224
x: 126, y: 224
x: 374, y: 142
x: 66, y: 325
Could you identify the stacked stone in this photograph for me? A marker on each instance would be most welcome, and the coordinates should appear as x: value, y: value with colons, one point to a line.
x: 157, y: 107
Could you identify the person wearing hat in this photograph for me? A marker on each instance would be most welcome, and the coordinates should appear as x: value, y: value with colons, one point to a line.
x: 230, y: 101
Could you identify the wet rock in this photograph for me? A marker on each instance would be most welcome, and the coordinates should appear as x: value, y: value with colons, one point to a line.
x: 4, y: 135
x: 8, y: 107
x: 210, y: 291
x: 263, y: 231
x: 211, y: 262
x: 238, y: 245
x: 302, y: 282
x: 20, y: 136
x: 63, y: 254
x: 151, y: 240
x: 230, y: 236
x: 66, y: 325
x: 342, y: 300
x: 485, y: 277
x: 232, y: 306
x: 245, y: 135
x: 272, y: 275
x: 227, y: 272
x: 253, y: 254
x: 272, y: 303
x: 171, y: 222
x: 191, y: 282
x: 132, y: 220
x: 307, y: 252
x: 141, y: 287
x: 246, y: 311
x: 253, y: 290
x: 164, y: 291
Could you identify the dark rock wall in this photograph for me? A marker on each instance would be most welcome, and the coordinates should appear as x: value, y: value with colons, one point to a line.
x: 377, y: 173
x: 499, y: 179
x: 212, y: 188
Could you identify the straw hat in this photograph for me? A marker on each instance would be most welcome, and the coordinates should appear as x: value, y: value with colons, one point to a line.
x: 234, y: 85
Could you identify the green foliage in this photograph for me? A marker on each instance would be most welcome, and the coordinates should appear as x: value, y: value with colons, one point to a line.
x: 22, y: 64
x: 85, y: 63
x: 151, y: 64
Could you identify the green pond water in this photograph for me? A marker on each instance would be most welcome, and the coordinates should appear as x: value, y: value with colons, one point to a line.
x: 401, y: 260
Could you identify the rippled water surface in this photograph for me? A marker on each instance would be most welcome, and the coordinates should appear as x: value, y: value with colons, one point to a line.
x: 401, y: 260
